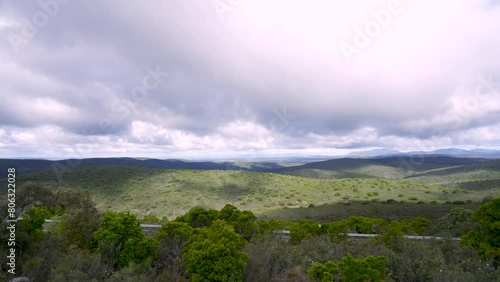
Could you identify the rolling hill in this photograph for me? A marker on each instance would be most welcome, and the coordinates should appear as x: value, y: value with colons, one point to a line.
x: 474, y: 176
x: 171, y: 192
x: 389, y: 167
x: 25, y: 166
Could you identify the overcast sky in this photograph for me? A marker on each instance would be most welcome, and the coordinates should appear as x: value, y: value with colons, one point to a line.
x: 203, y: 78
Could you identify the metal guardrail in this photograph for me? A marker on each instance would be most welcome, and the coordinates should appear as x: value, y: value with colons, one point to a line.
x: 413, y: 237
x: 285, y: 234
x: 142, y: 225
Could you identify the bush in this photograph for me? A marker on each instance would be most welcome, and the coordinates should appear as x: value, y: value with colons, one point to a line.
x: 118, y: 227
x: 350, y: 269
x: 486, y: 240
x: 135, y: 251
x: 214, y: 254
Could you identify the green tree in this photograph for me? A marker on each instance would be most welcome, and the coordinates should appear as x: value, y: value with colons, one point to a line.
x: 214, y: 254
x: 34, y: 221
x: 486, y: 239
x: 456, y: 223
x: 364, y: 225
x: 323, y: 272
x: 304, y: 228
x: 118, y: 227
x: 79, y: 265
x: 268, y: 227
x: 198, y: 217
x: 392, y: 236
x: 337, y: 231
x: 33, y: 194
x: 242, y: 221
x: 80, y: 223
x: 115, y: 230
x: 350, y: 269
x: 417, y: 225
x: 363, y: 269
x: 138, y: 250
x: 172, y: 237
x: 29, y: 233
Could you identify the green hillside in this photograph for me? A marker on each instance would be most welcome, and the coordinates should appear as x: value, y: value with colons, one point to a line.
x: 477, y: 176
x: 346, y: 168
x: 390, y: 167
x: 25, y: 166
x: 167, y: 192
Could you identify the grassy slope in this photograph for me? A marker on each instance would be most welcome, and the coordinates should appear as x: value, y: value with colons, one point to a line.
x: 346, y: 168
x: 172, y: 192
x: 391, y: 167
x: 471, y: 174
x: 476, y: 176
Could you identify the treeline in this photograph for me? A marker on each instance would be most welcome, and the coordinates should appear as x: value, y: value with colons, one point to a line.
x: 233, y: 245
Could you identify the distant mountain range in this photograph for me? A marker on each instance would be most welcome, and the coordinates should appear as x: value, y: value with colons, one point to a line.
x: 24, y: 166
x: 374, y: 163
x: 451, y: 152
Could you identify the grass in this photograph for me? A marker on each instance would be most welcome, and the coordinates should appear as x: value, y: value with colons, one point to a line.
x: 169, y: 192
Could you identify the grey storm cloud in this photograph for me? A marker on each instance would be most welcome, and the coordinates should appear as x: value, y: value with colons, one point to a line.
x: 131, y: 78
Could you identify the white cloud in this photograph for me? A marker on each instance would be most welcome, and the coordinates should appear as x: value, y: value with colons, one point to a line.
x: 227, y: 78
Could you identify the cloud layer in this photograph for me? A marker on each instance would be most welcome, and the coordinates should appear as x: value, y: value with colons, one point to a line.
x: 219, y: 78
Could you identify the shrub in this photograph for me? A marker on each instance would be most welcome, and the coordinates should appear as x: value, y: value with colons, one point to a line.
x: 214, y: 254
x: 350, y: 269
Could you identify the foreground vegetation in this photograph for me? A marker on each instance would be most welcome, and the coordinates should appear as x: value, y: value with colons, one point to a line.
x: 228, y: 225
x: 233, y: 245
x: 166, y: 192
